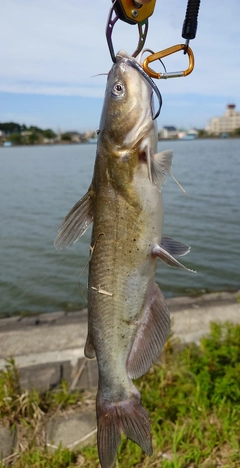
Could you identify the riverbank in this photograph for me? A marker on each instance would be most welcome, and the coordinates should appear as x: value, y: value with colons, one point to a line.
x: 50, y: 347
x: 192, y: 395
x: 89, y: 142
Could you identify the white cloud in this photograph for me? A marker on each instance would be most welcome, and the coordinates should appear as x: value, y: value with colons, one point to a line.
x: 57, y: 89
x: 55, y: 46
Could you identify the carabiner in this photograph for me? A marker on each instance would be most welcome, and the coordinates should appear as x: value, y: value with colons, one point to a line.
x: 165, y: 53
x: 142, y: 32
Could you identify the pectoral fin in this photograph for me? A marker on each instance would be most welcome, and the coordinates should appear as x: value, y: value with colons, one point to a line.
x: 174, y: 247
x: 167, y: 258
x: 76, y: 222
x: 161, y: 164
x: 151, y: 334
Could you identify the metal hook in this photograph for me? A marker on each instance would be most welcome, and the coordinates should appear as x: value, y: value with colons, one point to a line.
x: 142, y: 37
x: 109, y: 29
x: 142, y: 31
x: 165, y: 53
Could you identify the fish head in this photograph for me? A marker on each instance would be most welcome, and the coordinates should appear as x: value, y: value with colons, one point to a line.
x: 128, y: 110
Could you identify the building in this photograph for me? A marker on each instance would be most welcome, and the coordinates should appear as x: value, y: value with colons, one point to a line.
x: 26, y: 133
x: 189, y: 135
x: 229, y: 122
x: 168, y: 132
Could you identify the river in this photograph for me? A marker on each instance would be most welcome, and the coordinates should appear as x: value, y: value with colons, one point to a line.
x: 38, y: 186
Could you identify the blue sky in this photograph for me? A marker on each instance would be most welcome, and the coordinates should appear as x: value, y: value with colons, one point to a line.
x: 50, y: 50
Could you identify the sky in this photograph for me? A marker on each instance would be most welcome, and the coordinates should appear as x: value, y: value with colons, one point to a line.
x: 52, y: 50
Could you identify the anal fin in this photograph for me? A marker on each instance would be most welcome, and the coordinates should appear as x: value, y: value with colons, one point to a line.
x: 151, y: 335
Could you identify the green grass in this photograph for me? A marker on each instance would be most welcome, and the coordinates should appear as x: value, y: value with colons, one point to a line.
x: 16, y: 405
x: 192, y: 396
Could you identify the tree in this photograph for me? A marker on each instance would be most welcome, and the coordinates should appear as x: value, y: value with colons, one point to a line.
x: 23, y: 128
x: 10, y: 127
x: 66, y: 137
x: 33, y: 138
x: 48, y: 133
x: 202, y: 133
x: 35, y: 129
x: 16, y: 139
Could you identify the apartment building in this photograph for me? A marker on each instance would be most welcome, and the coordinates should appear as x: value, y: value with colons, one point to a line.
x: 225, y: 124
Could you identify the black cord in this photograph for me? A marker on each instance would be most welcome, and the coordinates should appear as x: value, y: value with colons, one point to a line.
x: 189, y: 29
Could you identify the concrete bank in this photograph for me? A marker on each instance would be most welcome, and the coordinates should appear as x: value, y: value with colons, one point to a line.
x: 50, y: 347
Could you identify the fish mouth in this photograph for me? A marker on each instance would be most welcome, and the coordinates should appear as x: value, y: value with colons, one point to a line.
x: 134, y: 64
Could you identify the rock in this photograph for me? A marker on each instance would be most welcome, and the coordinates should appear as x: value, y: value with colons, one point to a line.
x: 41, y: 377
x: 6, y: 442
x: 49, y: 375
x: 69, y: 431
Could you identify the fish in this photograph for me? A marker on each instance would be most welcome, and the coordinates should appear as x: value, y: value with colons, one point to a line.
x: 128, y: 319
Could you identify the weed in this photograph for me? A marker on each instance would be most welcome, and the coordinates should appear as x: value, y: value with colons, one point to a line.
x: 192, y: 396
x: 9, y: 390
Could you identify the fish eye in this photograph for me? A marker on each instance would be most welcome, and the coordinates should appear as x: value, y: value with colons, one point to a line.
x: 118, y: 89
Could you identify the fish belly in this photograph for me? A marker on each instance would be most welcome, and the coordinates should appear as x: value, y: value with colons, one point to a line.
x: 120, y: 271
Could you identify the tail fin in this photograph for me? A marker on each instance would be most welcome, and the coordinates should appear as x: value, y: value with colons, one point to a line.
x: 126, y: 416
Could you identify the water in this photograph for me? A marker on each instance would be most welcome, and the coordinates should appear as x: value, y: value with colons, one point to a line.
x: 39, y: 185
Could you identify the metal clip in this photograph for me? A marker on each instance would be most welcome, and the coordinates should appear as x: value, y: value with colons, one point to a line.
x: 133, y: 12
x: 109, y: 29
x: 116, y: 14
x: 165, y: 53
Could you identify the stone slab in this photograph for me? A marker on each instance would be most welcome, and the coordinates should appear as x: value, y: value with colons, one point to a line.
x: 49, y: 375
x: 49, y: 347
x: 6, y: 442
x: 42, y: 339
x: 72, y: 431
x: 191, y: 324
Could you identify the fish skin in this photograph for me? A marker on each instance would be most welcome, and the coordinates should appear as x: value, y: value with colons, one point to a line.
x: 128, y: 320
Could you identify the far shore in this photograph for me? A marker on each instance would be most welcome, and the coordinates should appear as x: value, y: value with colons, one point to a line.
x: 63, y: 143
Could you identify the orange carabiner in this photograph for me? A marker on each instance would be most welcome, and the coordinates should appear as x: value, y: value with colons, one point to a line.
x: 165, y: 53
